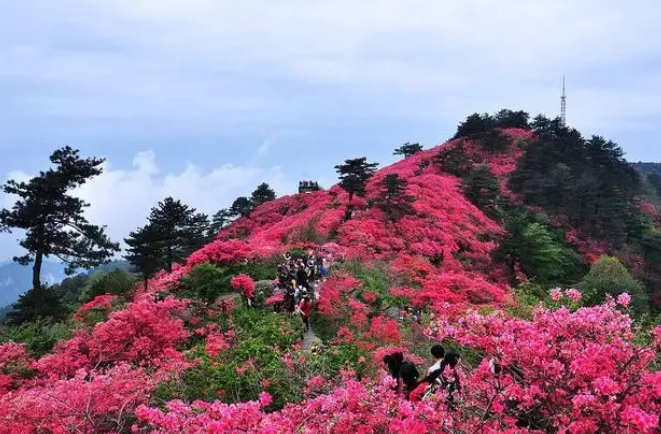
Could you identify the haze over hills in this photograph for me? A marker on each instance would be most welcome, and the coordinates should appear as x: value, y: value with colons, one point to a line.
x: 15, y: 279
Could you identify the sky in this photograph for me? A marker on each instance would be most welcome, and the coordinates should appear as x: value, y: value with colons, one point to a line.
x: 205, y: 99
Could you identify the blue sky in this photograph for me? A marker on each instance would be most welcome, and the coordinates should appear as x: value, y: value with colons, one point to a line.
x: 204, y: 99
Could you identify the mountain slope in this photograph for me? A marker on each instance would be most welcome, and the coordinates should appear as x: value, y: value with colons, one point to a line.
x: 169, y: 359
x: 445, y: 245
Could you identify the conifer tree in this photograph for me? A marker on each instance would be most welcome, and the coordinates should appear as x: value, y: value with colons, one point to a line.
x: 53, y: 219
x: 241, y: 207
x: 178, y: 229
x: 262, y: 194
x: 481, y: 187
x: 392, y: 198
x: 408, y: 149
x: 37, y: 303
x: 354, y: 175
x: 220, y: 221
x: 144, y: 251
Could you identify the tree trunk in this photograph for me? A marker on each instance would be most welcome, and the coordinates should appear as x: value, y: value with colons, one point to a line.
x: 146, y: 284
x: 169, y: 259
x: 36, y: 271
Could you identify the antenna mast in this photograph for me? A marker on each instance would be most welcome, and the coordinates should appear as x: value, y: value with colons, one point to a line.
x: 563, y: 103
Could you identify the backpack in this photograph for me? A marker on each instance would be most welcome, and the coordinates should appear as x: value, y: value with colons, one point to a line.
x: 409, y: 374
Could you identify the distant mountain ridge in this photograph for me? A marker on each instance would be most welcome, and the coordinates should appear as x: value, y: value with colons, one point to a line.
x: 16, y: 279
x: 648, y: 168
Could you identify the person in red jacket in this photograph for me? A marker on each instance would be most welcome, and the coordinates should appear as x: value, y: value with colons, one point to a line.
x: 306, y: 308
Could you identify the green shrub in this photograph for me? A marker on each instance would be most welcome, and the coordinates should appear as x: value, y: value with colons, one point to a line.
x: 118, y: 282
x: 39, y: 336
x: 206, y: 281
x: 609, y: 277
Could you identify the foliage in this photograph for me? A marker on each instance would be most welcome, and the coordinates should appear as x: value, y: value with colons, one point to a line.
x: 41, y: 303
x: 53, y: 220
x: 608, y: 277
x: 241, y: 207
x: 206, y: 282
x: 393, y: 198
x: 588, y: 182
x: 481, y: 187
x: 240, y: 359
x: 562, y: 371
x: 539, y: 252
x: 144, y: 251
x: 408, y: 149
x: 39, y: 336
x: 262, y: 194
x: 179, y: 230
x: 220, y: 221
x: 354, y: 175
x: 118, y: 282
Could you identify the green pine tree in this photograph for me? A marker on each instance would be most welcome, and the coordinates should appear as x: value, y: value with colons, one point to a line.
x: 53, y: 219
x: 144, y: 251
x: 220, y: 221
x: 178, y: 229
x: 354, y: 175
x: 262, y: 194
x: 37, y: 304
x: 241, y: 207
x: 393, y: 199
x: 408, y: 149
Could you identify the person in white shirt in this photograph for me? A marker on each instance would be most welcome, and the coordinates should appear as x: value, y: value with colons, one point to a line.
x: 438, y: 352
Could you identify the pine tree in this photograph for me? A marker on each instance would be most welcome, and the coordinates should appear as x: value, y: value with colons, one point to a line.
x: 178, y: 229
x: 481, y: 187
x: 408, y: 149
x: 220, y: 221
x: 392, y: 198
x: 506, y: 118
x: 264, y: 193
x: 144, y: 251
x: 475, y: 124
x: 241, y: 207
x: 53, y: 220
x: 354, y: 175
x: 37, y: 303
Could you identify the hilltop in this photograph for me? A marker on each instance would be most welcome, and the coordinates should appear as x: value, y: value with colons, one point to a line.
x: 522, y: 244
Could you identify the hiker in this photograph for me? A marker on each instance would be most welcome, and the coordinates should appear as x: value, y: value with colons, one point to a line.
x: 433, y: 374
x: 305, y: 308
x: 438, y: 353
x: 403, y: 371
x: 443, y: 376
x: 450, y: 376
x: 302, y: 276
x: 393, y: 364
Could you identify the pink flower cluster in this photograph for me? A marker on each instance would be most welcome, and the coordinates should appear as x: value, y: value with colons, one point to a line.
x: 245, y: 284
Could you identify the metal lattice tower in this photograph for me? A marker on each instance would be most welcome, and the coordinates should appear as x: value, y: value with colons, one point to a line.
x: 563, y: 103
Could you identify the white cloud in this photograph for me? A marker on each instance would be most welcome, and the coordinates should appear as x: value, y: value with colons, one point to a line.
x: 419, y: 58
x: 121, y: 198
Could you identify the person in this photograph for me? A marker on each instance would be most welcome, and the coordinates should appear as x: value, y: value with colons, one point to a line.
x: 449, y: 376
x: 438, y: 353
x: 306, y: 309
x: 433, y: 374
x: 302, y: 276
x: 393, y: 363
x: 409, y: 375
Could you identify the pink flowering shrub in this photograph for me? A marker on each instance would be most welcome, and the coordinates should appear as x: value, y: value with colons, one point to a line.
x: 90, y: 402
x: 245, y: 284
x: 572, y: 371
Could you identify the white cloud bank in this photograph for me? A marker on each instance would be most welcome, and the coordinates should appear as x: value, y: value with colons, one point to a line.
x: 121, y: 198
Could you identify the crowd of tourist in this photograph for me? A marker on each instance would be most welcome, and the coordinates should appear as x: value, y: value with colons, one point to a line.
x: 298, y: 283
